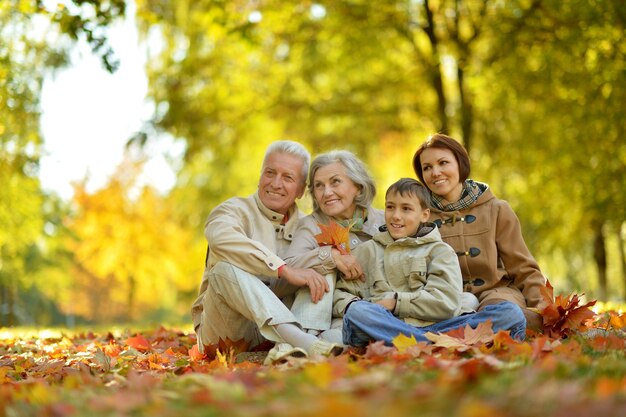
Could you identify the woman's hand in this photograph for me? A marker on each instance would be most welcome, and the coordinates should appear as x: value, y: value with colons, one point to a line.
x: 348, y: 266
x: 301, y: 277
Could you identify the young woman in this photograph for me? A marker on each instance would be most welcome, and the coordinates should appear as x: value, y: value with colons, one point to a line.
x: 483, y: 230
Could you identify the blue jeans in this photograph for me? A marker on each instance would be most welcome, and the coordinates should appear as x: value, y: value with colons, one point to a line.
x: 367, y: 322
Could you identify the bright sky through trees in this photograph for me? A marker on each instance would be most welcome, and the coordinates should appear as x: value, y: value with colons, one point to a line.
x: 88, y: 115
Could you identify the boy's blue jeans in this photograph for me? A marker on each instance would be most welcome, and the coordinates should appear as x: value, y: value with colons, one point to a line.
x: 367, y: 322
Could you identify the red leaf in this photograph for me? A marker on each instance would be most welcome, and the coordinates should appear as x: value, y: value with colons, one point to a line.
x: 139, y: 342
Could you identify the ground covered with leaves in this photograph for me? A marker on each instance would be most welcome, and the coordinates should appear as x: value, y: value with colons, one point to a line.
x: 576, y: 369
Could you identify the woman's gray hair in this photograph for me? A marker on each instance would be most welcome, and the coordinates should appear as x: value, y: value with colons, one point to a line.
x: 292, y: 148
x: 355, y: 170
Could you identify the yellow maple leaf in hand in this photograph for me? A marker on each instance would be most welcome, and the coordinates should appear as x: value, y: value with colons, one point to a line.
x: 334, y: 235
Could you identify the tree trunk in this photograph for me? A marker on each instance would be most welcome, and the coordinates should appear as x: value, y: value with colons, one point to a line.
x: 132, y: 288
x: 7, y: 306
x: 466, y: 108
x: 599, y: 254
x: 437, y: 78
x: 622, y: 258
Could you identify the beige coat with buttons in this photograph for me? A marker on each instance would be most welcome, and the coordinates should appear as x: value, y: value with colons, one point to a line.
x: 494, y: 259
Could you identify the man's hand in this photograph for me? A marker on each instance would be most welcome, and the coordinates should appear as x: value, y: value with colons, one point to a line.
x: 348, y: 266
x: 301, y: 277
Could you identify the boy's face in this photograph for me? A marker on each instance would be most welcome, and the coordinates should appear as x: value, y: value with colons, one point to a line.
x: 404, y: 214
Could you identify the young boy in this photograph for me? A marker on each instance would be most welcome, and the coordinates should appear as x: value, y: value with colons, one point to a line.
x: 413, y: 281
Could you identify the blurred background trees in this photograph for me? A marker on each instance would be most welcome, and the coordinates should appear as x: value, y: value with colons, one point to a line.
x: 534, y: 88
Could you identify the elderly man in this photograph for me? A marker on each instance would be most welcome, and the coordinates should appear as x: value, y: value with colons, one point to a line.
x: 245, y: 276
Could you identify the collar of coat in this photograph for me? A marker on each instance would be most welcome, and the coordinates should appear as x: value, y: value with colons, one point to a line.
x: 427, y: 232
x: 274, y: 216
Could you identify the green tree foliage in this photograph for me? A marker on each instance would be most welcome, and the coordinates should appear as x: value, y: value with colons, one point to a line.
x: 532, y: 87
x: 559, y: 129
x: 20, y: 196
x: 33, y: 40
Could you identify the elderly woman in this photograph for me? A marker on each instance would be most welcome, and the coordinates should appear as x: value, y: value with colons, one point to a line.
x: 342, y: 192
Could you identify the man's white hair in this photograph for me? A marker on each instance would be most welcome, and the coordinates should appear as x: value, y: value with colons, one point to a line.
x: 292, y: 148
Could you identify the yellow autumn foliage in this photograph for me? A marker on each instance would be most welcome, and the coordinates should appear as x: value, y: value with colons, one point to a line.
x: 132, y: 258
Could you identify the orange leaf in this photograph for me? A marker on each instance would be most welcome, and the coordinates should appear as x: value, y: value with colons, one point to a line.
x: 462, y: 339
x: 334, y: 235
x: 617, y: 320
x: 225, y: 349
x: 237, y: 346
x: 602, y: 343
x: 578, y: 316
x: 378, y: 349
x: 483, y: 333
x: 139, y: 342
x: 565, y: 316
x: 547, y: 293
x: 195, y: 354
x: 112, y: 349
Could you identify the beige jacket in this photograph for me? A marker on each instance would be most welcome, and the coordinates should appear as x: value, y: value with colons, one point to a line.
x: 305, y: 252
x: 423, y: 272
x: 492, y: 253
x: 245, y: 233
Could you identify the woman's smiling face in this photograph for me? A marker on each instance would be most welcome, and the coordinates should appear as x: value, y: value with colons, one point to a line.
x: 441, y: 173
x: 335, y: 192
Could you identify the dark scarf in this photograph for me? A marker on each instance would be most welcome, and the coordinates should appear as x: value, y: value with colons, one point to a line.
x: 471, y: 191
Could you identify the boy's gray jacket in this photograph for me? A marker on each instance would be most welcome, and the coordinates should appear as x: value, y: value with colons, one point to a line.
x: 423, y: 271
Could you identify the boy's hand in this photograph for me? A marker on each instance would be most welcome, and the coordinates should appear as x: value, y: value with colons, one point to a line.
x: 388, y: 303
x: 348, y: 266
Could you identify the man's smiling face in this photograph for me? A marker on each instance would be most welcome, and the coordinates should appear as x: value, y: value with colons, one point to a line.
x: 281, y: 181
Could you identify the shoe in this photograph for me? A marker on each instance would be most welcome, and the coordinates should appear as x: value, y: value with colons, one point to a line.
x: 281, y: 352
x: 324, y: 348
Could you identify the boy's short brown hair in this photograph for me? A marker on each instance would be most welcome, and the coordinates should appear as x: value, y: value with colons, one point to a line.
x: 411, y: 187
